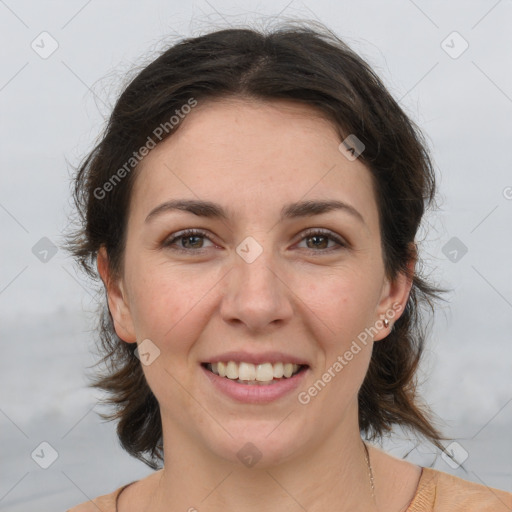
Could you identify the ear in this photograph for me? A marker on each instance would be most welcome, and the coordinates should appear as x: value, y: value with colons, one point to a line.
x: 117, y: 299
x: 394, y: 298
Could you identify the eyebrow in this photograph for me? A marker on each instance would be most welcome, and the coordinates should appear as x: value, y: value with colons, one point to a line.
x: 212, y: 210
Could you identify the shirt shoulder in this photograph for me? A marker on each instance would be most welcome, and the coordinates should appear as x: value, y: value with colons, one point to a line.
x: 441, y: 492
x: 105, y: 503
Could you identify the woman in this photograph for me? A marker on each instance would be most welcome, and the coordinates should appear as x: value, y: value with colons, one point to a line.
x: 251, y: 210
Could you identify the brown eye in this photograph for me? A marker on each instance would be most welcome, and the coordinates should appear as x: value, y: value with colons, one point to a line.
x: 190, y: 240
x: 318, y: 241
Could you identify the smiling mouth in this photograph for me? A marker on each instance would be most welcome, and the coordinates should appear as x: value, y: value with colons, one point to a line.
x: 251, y: 374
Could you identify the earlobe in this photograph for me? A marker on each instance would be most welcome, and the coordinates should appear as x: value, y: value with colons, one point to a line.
x: 117, y: 300
x: 393, y: 301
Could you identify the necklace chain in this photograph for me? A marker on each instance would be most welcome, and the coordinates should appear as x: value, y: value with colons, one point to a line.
x: 370, y: 471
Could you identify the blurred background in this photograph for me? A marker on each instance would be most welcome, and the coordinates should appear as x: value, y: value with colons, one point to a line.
x: 63, y: 64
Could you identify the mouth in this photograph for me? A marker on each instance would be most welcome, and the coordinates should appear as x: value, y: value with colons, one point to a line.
x: 249, y: 374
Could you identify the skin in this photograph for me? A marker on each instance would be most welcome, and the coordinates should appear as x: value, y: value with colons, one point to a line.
x: 296, y: 297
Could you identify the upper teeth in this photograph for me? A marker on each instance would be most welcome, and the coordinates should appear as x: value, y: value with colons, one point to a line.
x: 246, y: 371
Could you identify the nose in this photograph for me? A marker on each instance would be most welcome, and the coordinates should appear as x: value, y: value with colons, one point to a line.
x: 257, y: 294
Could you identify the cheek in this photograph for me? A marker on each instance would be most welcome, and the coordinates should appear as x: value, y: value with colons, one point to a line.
x: 169, y: 303
x: 340, y: 311
x: 343, y: 303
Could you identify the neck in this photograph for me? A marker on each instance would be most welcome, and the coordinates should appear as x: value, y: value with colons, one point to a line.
x: 323, y: 474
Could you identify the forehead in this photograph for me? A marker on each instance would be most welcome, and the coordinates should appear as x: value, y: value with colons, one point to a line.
x: 252, y: 156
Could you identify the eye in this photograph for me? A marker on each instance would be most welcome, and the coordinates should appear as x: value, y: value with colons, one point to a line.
x: 190, y: 239
x: 320, y: 240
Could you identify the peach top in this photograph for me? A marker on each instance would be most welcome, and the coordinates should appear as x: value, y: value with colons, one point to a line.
x: 437, y: 492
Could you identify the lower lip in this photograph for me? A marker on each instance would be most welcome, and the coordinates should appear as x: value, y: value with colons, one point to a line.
x: 255, y: 394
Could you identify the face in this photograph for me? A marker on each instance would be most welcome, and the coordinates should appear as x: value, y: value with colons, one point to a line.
x: 272, y: 280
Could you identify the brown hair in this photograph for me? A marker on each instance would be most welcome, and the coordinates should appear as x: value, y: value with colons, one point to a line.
x: 309, y: 64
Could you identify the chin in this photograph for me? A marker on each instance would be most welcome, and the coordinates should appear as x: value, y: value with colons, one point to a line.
x: 259, y: 444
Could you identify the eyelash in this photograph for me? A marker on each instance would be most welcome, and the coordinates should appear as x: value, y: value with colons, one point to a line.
x: 197, y: 232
